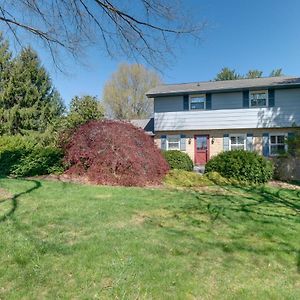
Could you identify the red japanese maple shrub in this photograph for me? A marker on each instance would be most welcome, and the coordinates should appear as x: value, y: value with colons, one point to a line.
x: 114, y: 153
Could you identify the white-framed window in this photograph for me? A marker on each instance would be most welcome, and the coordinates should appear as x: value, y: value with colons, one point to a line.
x: 173, y: 142
x: 258, y: 98
x: 237, y: 141
x: 197, y: 102
x: 277, y: 143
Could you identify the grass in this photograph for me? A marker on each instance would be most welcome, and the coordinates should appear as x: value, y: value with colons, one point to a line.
x: 60, y: 240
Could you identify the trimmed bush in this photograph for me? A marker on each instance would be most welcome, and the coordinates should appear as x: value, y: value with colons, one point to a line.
x: 114, y: 153
x: 178, y: 160
x: 40, y: 161
x: 181, y: 178
x: 242, y: 166
x: 21, y: 156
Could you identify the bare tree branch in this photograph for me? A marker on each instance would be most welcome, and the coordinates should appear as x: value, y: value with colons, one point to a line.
x: 140, y: 29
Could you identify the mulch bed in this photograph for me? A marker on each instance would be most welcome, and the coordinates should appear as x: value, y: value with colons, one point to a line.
x: 63, y: 178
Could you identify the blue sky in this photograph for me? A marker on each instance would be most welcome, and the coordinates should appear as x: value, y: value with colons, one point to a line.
x: 241, y: 34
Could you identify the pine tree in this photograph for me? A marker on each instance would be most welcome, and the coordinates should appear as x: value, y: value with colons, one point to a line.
x: 5, y: 67
x: 84, y: 109
x: 29, y: 101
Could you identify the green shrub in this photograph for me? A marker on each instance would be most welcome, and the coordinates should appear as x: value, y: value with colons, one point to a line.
x: 40, y: 161
x: 23, y: 156
x: 181, y: 178
x: 178, y: 160
x: 243, y: 166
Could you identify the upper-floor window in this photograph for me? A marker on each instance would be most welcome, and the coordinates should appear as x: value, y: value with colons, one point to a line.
x: 237, y: 142
x: 173, y: 142
x: 278, y: 144
x: 197, y: 102
x: 258, y: 98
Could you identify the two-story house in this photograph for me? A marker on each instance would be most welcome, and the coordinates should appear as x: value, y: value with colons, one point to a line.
x: 205, y: 118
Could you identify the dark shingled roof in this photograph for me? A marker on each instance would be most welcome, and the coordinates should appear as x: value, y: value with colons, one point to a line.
x: 226, y: 85
x: 146, y: 124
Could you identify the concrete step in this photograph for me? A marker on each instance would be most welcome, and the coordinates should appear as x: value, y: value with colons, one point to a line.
x: 199, y: 169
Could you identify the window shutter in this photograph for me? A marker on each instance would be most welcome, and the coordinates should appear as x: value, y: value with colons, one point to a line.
x: 226, y: 142
x: 186, y: 102
x: 246, y: 99
x: 265, y: 145
x: 249, y: 142
x: 208, y: 101
x: 163, y: 142
x: 271, y: 95
x: 291, y: 144
x: 183, y: 142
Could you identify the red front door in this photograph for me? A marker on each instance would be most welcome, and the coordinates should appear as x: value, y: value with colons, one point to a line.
x: 201, y: 149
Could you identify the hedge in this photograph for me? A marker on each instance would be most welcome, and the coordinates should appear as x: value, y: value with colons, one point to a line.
x: 242, y: 165
x: 178, y: 160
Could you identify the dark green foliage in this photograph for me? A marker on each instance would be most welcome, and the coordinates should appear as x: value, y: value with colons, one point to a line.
x: 28, y: 101
x: 39, y: 161
x: 84, y: 109
x: 178, y: 160
x: 20, y: 156
x: 241, y: 165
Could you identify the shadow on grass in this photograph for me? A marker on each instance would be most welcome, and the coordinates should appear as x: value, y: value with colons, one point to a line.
x: 14, y: 200
x: 251, y: 202
x: 42, y: 246
x: 258, y: 220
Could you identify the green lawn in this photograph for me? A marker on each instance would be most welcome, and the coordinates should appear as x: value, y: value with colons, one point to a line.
x: 67, y: 241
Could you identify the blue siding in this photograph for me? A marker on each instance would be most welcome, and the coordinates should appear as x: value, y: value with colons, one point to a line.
x: 227, y: 100
x: 168, y: 104
x: 285, y: 113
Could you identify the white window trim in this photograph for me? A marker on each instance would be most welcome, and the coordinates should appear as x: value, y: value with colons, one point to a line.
x: 276, y: 134
x: 173, y: 136
x: 197, y: 96
x: 238, y: 134
x: 260, y: 91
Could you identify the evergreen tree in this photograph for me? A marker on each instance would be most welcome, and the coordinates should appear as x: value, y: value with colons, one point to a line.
x: 84, y: 109
x: 29, y: 102
x: 5, y: 67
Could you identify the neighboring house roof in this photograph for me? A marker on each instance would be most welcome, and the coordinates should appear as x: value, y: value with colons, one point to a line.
x: 222, y: 86
x: 146, y: 124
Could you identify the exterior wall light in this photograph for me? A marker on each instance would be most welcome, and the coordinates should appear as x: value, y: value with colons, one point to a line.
x: 212, y: 140
x: 190, y: 141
